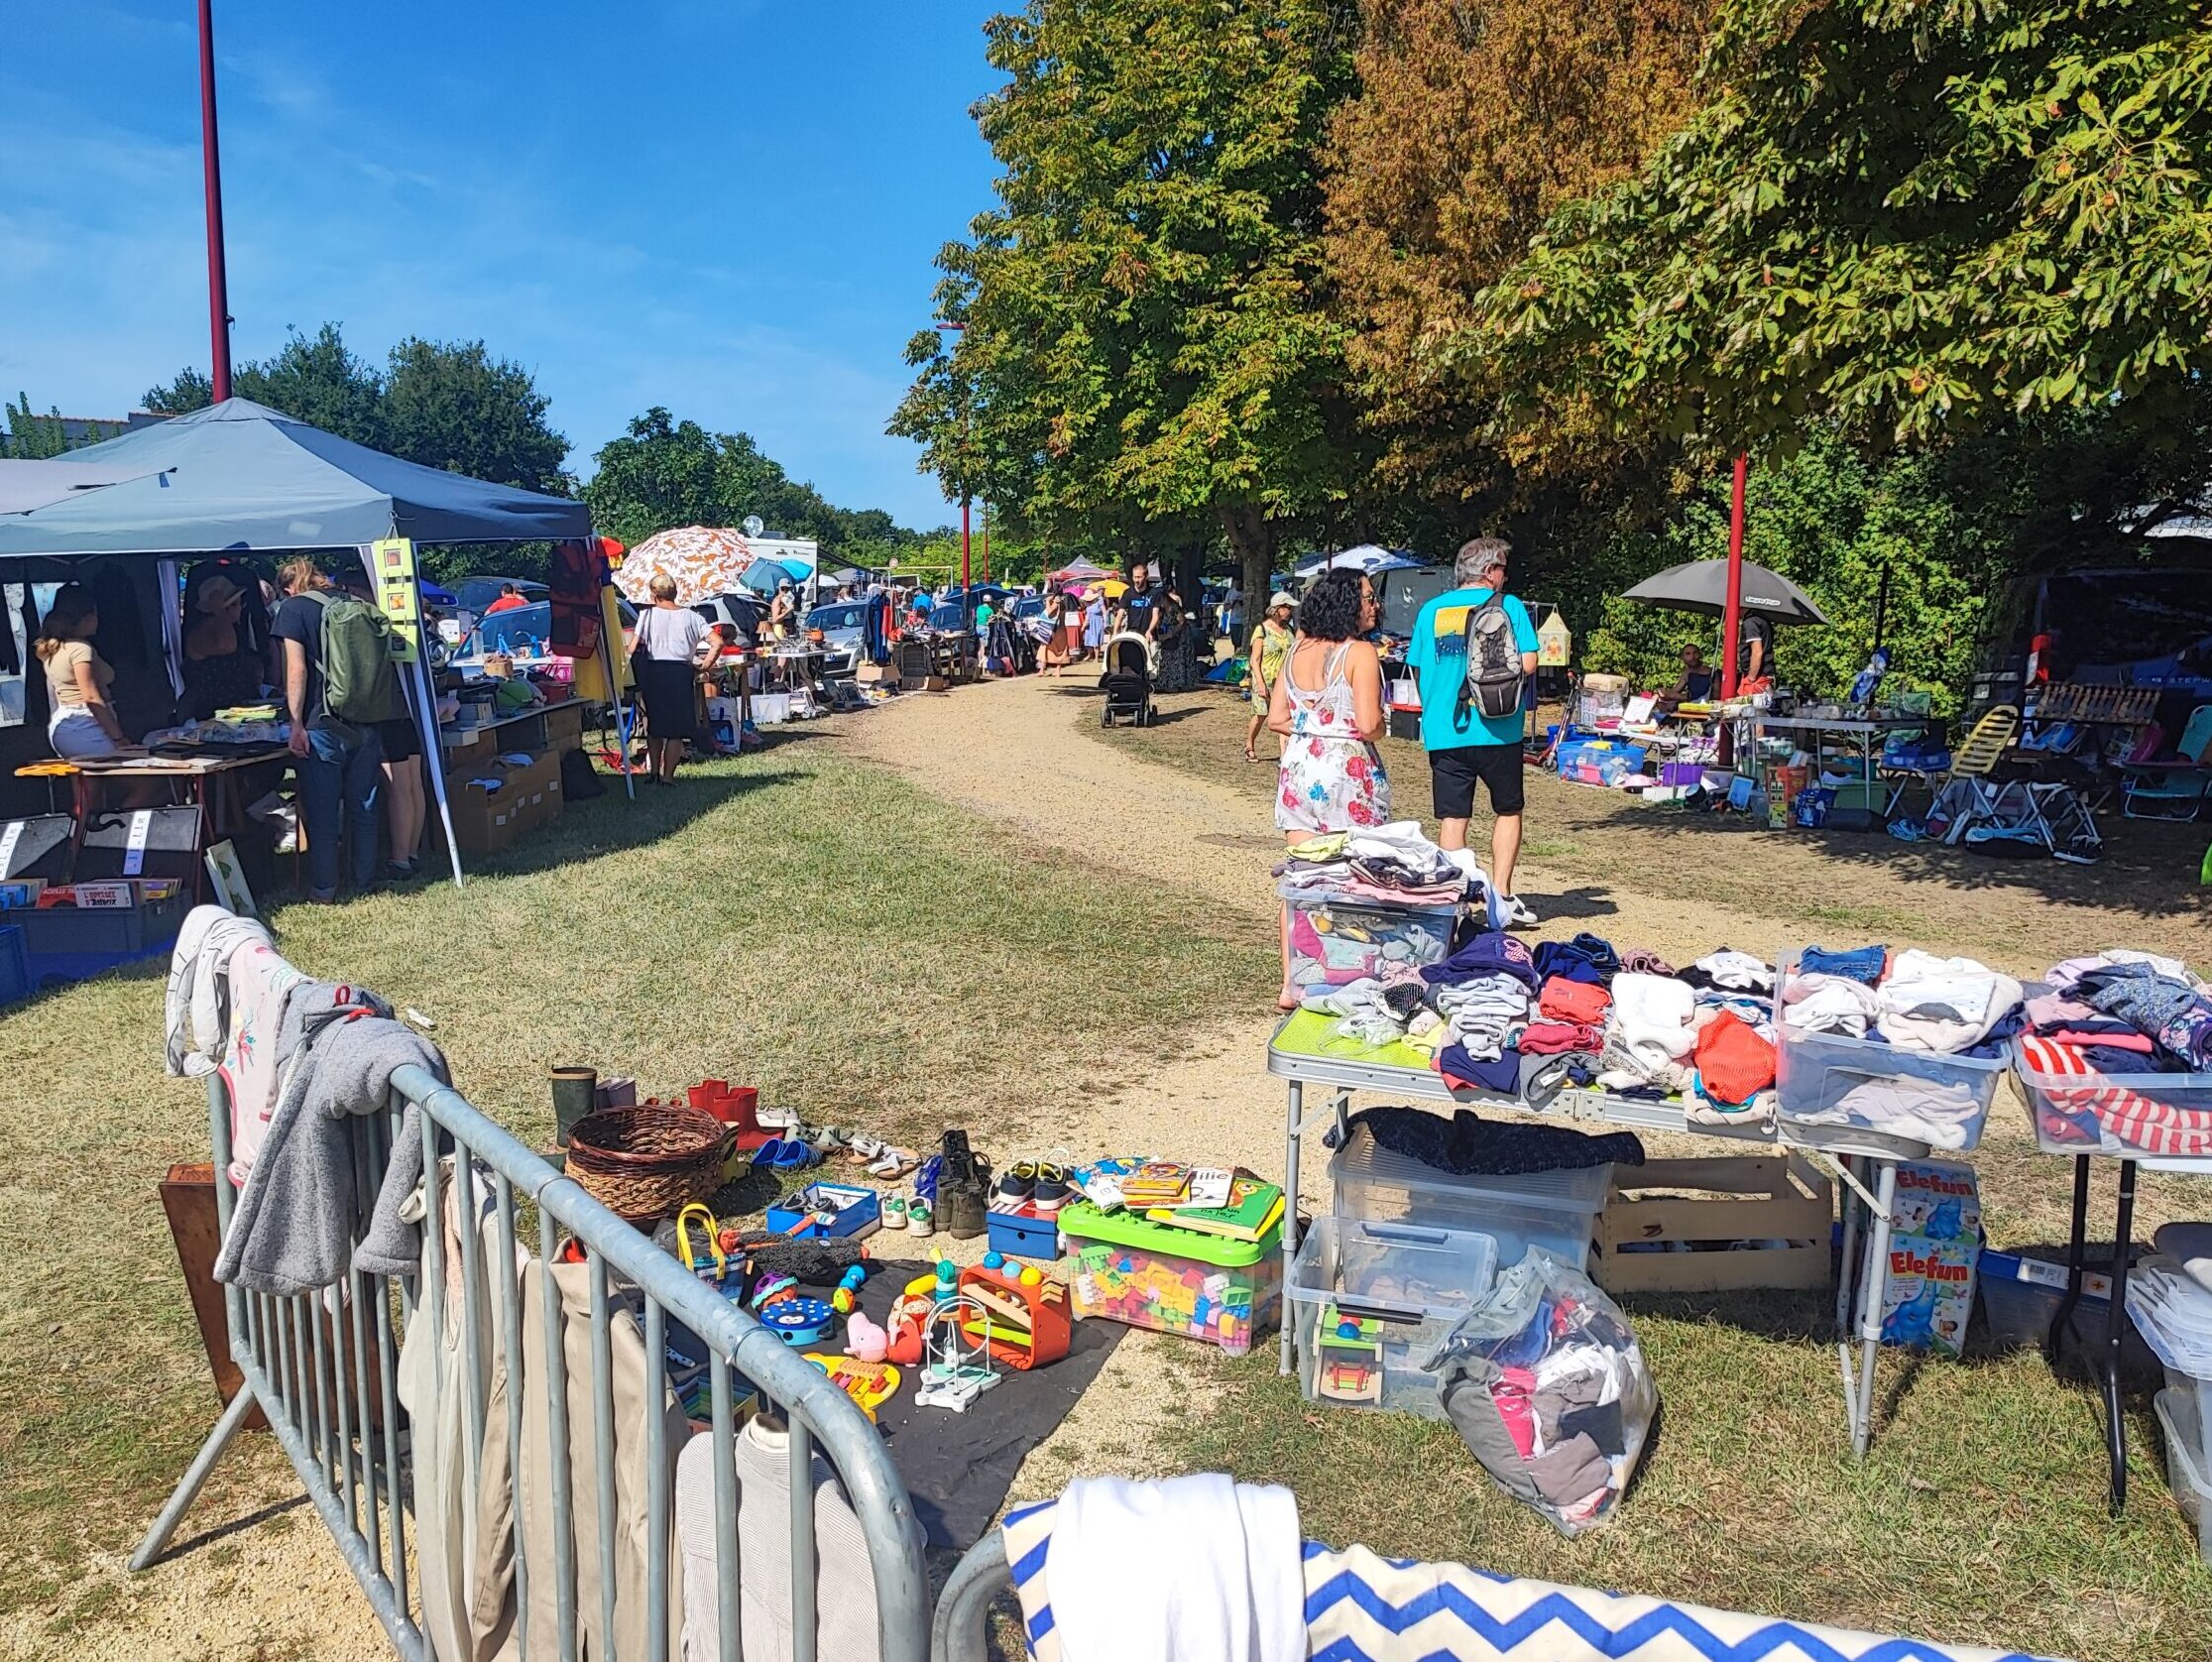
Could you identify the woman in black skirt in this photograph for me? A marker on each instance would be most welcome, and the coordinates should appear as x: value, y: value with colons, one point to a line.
x: 663, y: 656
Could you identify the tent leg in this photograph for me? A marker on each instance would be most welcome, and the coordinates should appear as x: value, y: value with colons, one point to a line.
x: 434, y: 758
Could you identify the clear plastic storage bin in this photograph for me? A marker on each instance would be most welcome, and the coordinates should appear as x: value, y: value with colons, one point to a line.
x: 1832, y: 1079
x: 2142, y: 1115
x: 1554, y: 1210
x: 2186, y: 1468
x: 1332, y: 943
x: 1369, y: 1301
x: 1207, y: 1287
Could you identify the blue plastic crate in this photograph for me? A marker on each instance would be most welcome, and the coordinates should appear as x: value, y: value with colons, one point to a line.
x: 49, y: 970
x: 854, y: 1209
x: 15, y: 967
x: 1022, y: 1235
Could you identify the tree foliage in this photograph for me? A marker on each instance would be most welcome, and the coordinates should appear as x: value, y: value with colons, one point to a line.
x: 663, y: 473
x: 1146, y: 346
x: 1902, y: 214
x: 1473, y: 125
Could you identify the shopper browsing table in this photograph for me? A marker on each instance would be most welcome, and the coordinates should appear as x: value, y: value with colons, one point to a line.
x: 663, y: 656
x: 1472, y: 651
x: 1268, y: 646
x: 340, y: 764
x: 1327, y: 705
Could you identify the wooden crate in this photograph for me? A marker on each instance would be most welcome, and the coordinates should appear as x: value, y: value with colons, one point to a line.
x: 1727, y: 1198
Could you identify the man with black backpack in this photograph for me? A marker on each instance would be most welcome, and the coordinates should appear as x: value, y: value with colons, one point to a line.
x: 1473, y: 651
x: 339, y: 684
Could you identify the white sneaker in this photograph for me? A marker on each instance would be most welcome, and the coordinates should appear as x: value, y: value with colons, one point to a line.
x: 1513, y: 913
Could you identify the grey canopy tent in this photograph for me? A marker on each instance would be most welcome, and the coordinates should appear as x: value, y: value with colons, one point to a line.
x: 240, y: 477
x: 25, y: 485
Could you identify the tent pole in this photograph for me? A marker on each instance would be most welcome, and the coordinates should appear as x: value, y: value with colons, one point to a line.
x: 424, y: 702
x: 1731, y: 613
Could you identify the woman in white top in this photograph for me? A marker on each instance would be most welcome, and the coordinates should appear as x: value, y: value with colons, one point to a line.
x: 663, y: 656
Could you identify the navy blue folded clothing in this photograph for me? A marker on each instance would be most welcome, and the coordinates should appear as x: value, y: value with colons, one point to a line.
x: 1995, y: 1043
x: 1861, y: 963
x: 1494, y: 952
x: 1470, y: 1145
x: 1586, y: 958
x: 1496, y: 1076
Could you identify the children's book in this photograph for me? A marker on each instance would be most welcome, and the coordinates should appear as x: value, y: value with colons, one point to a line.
x: 1255, y: 1207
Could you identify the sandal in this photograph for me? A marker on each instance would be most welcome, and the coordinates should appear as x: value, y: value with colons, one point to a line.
x: 893, y: 1165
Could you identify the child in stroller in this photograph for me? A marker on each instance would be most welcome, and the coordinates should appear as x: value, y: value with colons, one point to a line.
x: 1128, y: 681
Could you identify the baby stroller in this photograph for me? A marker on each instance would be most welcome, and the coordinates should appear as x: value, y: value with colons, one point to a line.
x: 1128, y: 681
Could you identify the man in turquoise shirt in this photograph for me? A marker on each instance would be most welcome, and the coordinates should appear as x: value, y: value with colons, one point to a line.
x: 1463, y: 745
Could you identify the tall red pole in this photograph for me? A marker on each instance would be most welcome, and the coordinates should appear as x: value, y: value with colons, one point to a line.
x: 967, y: 600
x: 1731, y: 612
x: 219, y: 283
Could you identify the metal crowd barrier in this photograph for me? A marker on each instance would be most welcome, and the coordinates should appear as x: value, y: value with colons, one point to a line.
x: 324, y: 1370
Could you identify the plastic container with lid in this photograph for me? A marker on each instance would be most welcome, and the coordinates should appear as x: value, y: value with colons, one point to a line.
x: 1554, y: 1210
x: 1368, y: 1302
x: 2139, y: 1116
x: 1335, y: 942
x: 1210, y: 1287
x: 2186, y: 1468
x: 1832, y: 1079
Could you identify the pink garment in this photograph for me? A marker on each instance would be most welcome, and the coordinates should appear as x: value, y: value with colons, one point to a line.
x: 1555, y: 1038
x: 2142, y: 1042
x: 260, y: 984
x: 1513, y: 1409
x: 1575, y: 1000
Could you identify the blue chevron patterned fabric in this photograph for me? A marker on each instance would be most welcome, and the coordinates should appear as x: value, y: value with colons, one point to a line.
x: 1364, y: 1609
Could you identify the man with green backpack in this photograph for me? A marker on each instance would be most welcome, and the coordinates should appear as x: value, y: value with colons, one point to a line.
x: 339, y: 684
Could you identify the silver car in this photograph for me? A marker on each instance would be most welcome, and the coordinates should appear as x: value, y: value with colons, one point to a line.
x: 843, y: 626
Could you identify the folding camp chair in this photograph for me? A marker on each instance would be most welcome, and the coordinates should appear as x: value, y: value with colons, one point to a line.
x: 2172, y: 790
x: 2017, y: 815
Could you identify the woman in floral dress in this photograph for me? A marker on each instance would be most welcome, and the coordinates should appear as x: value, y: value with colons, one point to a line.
x: 1327, y: 705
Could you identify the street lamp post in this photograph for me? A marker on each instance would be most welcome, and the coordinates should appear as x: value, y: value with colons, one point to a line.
x: 966, y: 599
x: 211, y: 171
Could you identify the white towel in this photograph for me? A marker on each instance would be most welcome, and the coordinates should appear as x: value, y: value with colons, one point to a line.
x: 1651, y: 1020
x: 1938, y: 1005
x: 1196, y: 1569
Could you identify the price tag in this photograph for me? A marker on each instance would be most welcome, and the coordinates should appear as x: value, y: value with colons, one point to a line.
x: 8, y: 840
x: 134, y: 851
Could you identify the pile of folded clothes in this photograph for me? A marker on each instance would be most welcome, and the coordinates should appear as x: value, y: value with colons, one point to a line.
x: 2098, y: 1032
x: 1927, y: 1010
x: 1390, y: 865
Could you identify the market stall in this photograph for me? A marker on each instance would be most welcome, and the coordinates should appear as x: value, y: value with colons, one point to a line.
x: 239, y: 478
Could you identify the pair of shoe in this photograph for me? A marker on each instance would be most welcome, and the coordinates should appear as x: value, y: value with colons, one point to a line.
x: 1038, y: 1183
x: 914, y: 1215
x: 786, y: 1154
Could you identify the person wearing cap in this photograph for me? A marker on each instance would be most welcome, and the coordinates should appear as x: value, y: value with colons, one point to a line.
x: 783, y: 610
x: 1269, y: 643
x: 220, y: 670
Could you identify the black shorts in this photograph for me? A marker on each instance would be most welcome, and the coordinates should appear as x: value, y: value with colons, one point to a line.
x: 402, y: 740
x: 1453, y: 772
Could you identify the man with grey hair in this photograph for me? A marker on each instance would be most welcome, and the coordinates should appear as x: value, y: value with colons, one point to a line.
x: 1472, y: 651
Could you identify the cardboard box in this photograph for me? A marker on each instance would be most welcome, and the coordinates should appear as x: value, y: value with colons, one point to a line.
x: 933, y: 683
x: 1683, y: 1225
x: 877, y: 675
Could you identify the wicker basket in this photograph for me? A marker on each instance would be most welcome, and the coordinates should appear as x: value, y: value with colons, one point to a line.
x: 648, y: 1163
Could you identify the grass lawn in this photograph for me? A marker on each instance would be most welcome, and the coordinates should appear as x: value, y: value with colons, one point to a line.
x: 796, y: 920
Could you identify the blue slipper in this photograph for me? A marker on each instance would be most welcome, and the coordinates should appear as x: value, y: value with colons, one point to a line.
x: 794, y: 1156
x: 770, y: 1152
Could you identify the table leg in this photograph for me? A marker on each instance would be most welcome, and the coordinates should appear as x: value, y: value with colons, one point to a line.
x: 203, y: 838
x: 2074, y: 1249
x: 1295, y: 1112
x: 1870, y: 1315
x: 2116, y: 1327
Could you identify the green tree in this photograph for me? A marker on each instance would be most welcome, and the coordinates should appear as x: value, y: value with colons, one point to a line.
x: 663, y: 473
x: 188, y: 391
x: 1906, y: 215
x: 1147, y: 351
x: 455, y: 406
x: 30, y: 437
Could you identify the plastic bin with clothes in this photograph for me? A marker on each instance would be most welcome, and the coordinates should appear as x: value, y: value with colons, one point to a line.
x: 1210, y: 1287
x: 1554, y: 1210
x: 1833, y: 1079
x: 2076, y: 1109
x: 2188, y: 1474
x: 1333, y: 943
x: 1546, y: 1383
x: 2174, y: 1314
x: 1368, y: 1302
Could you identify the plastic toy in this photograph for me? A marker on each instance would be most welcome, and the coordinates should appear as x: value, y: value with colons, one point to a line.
x: 946, y: 1284
x: 769, y: 1288
x: 869, y: 1384
x: 842, y: 1301
x: 1023, y: 1321
x: 995, y: 1261
x: 909, y: 1317
x: 799, y: 1321
x: 1029, y: 1278
x: 1351, y: 1364
x: 863, y: 1340
x: 849, y: 1209
x: 959, y: 1368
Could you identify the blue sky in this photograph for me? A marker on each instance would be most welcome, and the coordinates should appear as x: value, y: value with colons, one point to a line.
x: 725, y: 206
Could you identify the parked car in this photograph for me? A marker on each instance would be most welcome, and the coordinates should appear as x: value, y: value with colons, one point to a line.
x: 843, y: 626
x: 476, y: 594
x: 742, y: 612
x: 521, y: 628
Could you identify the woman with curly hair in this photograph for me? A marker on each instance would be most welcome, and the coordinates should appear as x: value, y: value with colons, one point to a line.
x: 1326, y: 703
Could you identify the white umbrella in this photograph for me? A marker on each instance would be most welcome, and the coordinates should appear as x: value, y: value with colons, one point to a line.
x: 1367, y: 558
x: 705, y: 560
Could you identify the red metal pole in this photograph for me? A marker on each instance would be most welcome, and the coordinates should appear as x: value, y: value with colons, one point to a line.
x: 218, y: 282
x: 966, y: 601
x: 1731, y: 613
